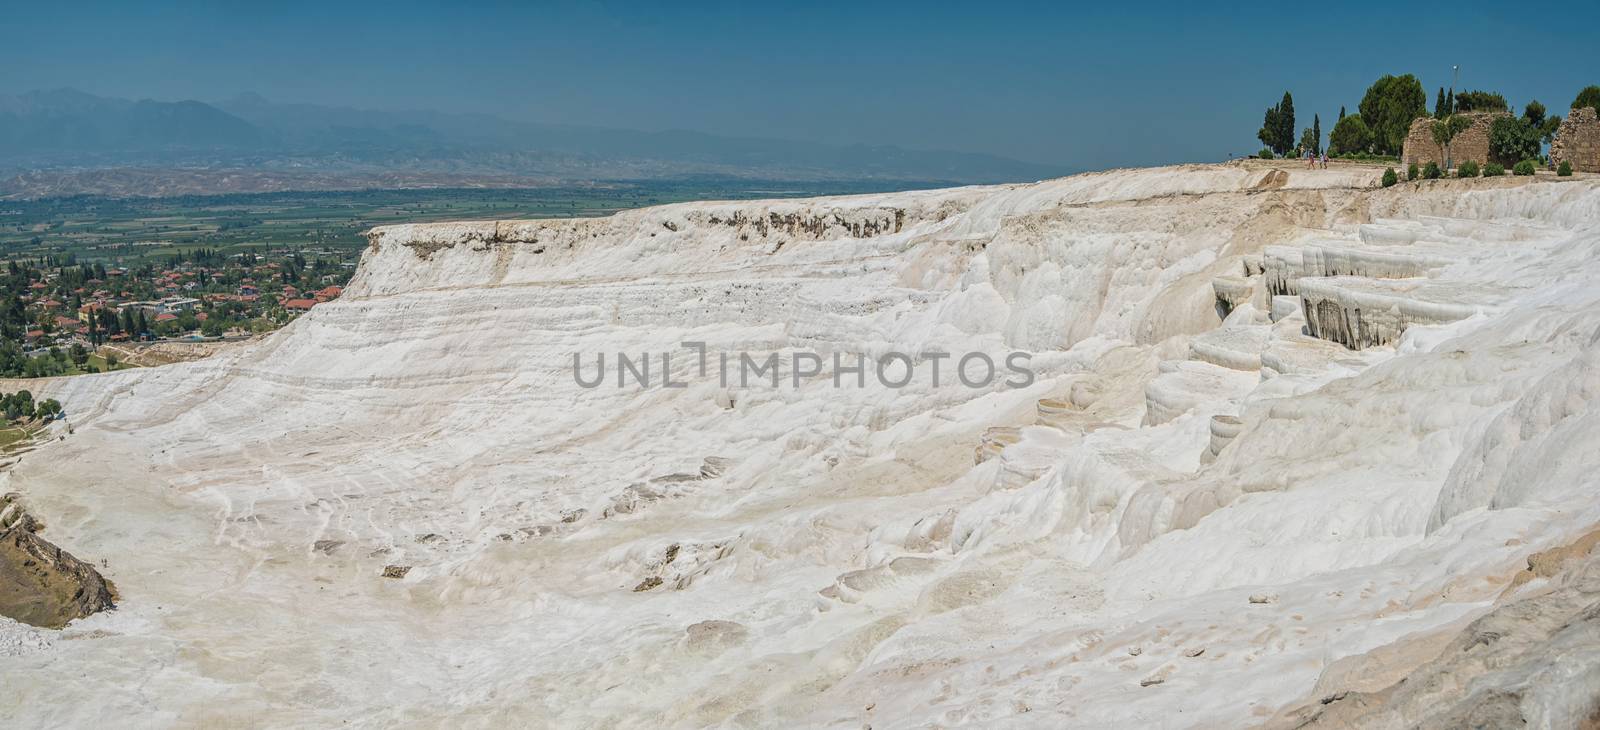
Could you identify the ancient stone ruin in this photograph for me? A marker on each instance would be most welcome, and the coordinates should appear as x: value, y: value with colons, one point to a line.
x: 1577, y: 141
x: 1471, y: 144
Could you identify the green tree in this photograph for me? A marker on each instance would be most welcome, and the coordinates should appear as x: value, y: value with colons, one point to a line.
x: 1541, y: 121
x: 1513, y: 140
x: 1316, y: 134
x: 78, y: 354
x: 1439, y: 107
x: 1277, y: 126
x: 1350, y: 134
x: 1445, y: 132
x: 1388, y: 108
x: 1286, y: 119
x: 1589, y: 97
x: 1268, y: 134
x: 1480, y: 101
x: 1534, y: 112
x: 1308, y: 141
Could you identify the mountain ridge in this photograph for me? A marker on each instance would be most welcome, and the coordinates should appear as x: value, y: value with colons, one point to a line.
x: 70, y: 129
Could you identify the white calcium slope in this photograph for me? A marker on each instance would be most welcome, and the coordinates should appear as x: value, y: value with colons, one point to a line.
x: 576, y: 560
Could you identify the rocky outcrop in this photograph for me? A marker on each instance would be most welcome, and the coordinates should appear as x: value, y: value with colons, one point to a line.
x: 41, y: 584
x: 166, y: 353
x: 1577, y: 141
x: 1527, y: 663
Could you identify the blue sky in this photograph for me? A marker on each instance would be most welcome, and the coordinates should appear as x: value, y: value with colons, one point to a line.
x: 1097, y: 86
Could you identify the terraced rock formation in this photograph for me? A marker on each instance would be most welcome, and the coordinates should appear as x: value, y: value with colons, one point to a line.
x: 1289, y: 435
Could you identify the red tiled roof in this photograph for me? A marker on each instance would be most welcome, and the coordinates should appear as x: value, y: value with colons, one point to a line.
x: 300, y: 304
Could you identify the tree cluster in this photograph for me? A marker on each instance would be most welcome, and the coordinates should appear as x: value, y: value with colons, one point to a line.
x: 20, y: 405
x: 1392, y: 103
x: 1277, y: 127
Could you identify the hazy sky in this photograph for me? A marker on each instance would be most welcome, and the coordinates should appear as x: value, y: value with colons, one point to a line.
x: 1116, y: 83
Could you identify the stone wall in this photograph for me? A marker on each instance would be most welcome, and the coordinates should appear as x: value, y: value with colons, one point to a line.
x: 1578, y: 141
x: 1471, y: 144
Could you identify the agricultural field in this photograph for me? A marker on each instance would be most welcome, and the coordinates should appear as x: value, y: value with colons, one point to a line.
x: 130, y: 230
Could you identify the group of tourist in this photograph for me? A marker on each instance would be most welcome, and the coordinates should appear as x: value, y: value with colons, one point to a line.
x: 1314, y: 159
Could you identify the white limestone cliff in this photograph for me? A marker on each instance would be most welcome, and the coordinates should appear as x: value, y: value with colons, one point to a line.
x: 1184, y: 521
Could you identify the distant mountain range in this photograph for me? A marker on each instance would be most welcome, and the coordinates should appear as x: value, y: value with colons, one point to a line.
x: 67, y: 133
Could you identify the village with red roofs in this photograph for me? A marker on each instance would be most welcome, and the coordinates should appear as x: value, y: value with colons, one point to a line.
x: 59, y: 313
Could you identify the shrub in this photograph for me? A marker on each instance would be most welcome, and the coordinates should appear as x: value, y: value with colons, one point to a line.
x: 1432, y: 171
x: 1494, y: 169
x: 1565, y: 170
x: 1523, y: 168
x: 1412, y: 172
x: 1265, y: 154
x: 1366, y: 157
x: 1467, y: 169
x: 1389, y: 178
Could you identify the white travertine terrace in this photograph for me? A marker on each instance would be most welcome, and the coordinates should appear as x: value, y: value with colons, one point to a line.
x: 1184, y: 522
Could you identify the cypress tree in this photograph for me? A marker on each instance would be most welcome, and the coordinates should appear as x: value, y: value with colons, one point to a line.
x: 1286, y: 121
x: 1316, y: 133
x: 1439, y: 107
